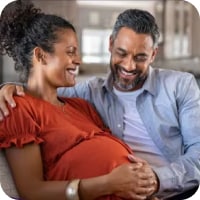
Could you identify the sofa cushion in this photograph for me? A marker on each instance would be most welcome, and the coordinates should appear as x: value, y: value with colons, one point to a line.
x: 6, y: 179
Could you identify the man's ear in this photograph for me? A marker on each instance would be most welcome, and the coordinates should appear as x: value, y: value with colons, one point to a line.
x: 39, y: 55
x: 155, y: 51
x: 111, y: 41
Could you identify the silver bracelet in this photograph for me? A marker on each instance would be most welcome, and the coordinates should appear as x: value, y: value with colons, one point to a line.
x: 71, y: 191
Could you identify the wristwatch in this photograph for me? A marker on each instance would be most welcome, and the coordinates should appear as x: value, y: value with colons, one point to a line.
x: 71, y: 191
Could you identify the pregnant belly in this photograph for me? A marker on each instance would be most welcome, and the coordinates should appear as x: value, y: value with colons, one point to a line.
x: 92, y: 157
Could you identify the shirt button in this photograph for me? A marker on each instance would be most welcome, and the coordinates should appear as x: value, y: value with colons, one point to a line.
x: 119, y: 125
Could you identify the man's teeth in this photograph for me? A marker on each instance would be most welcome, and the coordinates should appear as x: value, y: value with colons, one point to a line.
x: 127, y: 73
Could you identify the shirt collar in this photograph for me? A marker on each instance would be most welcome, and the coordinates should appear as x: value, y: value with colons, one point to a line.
x: 108, y: 83
x: 150, y: 82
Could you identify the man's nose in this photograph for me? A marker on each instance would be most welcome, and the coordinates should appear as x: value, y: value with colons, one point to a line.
x: 130, y: 64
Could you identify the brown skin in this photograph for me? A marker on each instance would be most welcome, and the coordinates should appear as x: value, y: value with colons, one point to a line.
x: 53, y: 70
x: 50, y: 71
x: 133, y: 52
x: 131, y: 55
x: 127, y: 181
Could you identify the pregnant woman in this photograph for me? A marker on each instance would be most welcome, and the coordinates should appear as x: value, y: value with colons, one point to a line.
x: 58, y: 148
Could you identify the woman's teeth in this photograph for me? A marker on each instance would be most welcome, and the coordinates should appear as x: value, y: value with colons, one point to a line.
x: 74, y: 71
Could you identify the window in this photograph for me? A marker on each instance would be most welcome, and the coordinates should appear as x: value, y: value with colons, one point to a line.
x: 95, y: 45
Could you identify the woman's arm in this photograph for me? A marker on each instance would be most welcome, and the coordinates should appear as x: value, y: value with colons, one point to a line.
x: 126, y: 181
x: 27, y: 170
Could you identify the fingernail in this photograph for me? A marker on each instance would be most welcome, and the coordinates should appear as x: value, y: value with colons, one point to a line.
x: 139, y: 164
x: 20, y: 93
x: 153, y: 182
x: 5, y: 113
x: 12, y: 105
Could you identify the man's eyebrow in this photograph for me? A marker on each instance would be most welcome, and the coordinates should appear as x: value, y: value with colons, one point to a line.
x: 141, y: 54
x: 120, y: 49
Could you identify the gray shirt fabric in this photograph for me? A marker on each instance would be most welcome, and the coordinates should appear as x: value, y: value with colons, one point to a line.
x: 170, y: 110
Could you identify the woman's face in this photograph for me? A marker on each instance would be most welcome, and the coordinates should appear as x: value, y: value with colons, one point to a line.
x: 62, y: 65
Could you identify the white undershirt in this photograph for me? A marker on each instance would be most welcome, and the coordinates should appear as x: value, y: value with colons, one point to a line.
x: 135, y: 133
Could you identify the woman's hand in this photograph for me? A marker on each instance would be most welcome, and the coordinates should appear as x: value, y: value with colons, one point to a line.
x: 132, y: 181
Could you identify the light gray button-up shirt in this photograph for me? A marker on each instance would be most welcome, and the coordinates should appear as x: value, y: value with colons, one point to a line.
x: 170, y: 110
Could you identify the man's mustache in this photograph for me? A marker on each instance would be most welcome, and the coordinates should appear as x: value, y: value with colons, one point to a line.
x: 135, y: 71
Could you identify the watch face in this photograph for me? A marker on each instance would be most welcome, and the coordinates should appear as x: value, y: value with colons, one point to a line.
x: 71, y: 191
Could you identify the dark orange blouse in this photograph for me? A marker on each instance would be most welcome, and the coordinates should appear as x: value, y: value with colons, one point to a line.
x: 74, y: 142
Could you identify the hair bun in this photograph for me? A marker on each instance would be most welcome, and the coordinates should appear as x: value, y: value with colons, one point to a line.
x: 16, y: 17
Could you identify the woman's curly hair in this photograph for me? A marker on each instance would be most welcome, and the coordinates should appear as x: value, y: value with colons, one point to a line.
x: 24, y: 27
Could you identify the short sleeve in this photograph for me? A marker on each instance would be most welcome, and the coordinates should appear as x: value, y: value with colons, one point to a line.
x: 21, y: 126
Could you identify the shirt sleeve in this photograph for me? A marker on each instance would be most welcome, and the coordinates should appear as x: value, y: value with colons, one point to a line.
x: 80, y: 90
x: 184, y: 173
x: 20, y: 127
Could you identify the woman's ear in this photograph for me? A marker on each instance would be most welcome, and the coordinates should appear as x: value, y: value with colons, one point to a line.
x: 39, y: 55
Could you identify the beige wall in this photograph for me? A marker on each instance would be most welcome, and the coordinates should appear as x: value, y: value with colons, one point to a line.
x: 195, y: 33
x: 69, y: 10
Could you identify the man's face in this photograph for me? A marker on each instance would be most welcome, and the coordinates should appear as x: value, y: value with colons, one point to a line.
x: 131, y: 55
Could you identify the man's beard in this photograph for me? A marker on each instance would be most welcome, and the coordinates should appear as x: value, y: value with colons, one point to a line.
x: 126, y: 84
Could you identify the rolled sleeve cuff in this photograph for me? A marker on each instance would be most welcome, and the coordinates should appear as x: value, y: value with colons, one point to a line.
x: 167, y: 181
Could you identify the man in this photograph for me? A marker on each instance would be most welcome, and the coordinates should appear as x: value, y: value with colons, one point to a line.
x: 155, y: 111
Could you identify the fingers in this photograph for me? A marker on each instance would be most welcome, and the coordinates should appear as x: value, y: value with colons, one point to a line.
x: 145, y: 191
x: 144, y: 188
x: 133, y: 196
x: 146, y: 174
x: 3, y: 106
x: 3, y: 109
x: 154, y: 198
x: 10, y: 92
x: 6, y: 98
x: 130, y: 181
x: 137, y: 194
x: 145, y: 180
x: 135, y: 166
x: 148, y: 178
x: 135, y: 159
x: 138, y: 197
x: 1, y: 115
x: 146, y: 183
x: 20, y: 90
